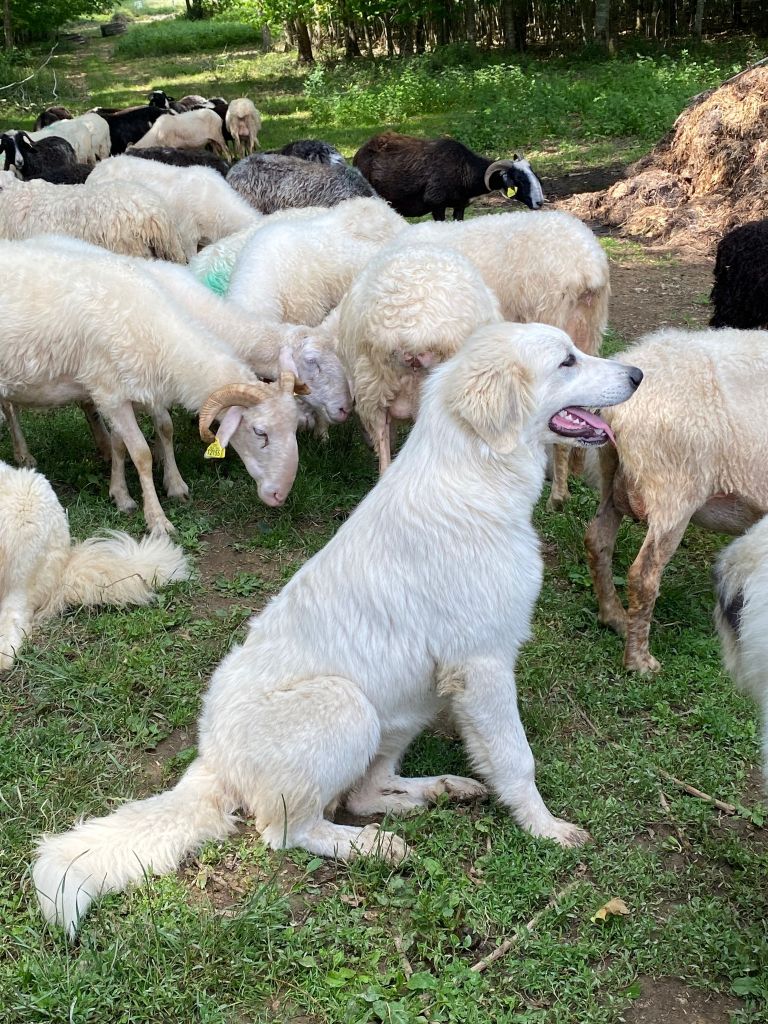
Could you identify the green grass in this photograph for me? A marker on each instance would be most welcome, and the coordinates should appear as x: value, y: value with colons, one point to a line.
x: 180, y: 36
x: 241, y: 934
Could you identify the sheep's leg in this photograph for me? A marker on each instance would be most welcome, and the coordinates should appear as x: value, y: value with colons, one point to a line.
x: 559, y: 492
x: 458, y: 212
x: 172, y: 478
x: 98, y: 430
x: 21, y: 453
x: 124, y: 422
x: 600, y: 541
x: 643, y: 582
x: 118, y: 485
x: 439, y: 214
x: 383, y: 791
x: 16, y: 618
x: 382, y: 443
x: 485, y: 707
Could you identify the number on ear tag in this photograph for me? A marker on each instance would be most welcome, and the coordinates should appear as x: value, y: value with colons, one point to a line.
x: 511, y: 192
x: 214, y: 451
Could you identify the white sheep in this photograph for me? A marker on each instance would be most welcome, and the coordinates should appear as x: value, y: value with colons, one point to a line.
x: 544, y: 268
x: 204, y: 206
x: 243, y: 123
x: 88, y: 135
x: 407, y: 311
x: 741, y: 616
x: 102, y: 332
x: 215, y: 263
x: 691, y: 446
x: 42, y: 572
x: 299, y: 269
x: 193, y: 129
x: 125, y: 219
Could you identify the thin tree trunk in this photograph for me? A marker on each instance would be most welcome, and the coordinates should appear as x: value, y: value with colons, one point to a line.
x: 304, y: 42
x: 7, y: 25
x: 388, y: 35
x: 602, y: 11
x: 698, y: 21
x: 470, y: 23
x: 508, y: 23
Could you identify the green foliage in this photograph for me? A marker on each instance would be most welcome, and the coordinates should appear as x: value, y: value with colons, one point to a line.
x: 179, y: 36
x: 523, y: 102
x: 39, y: 19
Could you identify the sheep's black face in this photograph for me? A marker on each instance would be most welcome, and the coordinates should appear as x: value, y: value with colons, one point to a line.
x: 519, y: 182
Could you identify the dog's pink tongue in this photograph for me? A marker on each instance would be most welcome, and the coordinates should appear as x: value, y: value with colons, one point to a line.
x: 593, y: 420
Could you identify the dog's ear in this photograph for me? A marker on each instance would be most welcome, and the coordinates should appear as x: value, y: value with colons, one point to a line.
x: 494, y: 400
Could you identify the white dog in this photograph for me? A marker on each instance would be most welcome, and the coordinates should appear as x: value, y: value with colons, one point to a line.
x: 741, y: 580
x: 423, y: 596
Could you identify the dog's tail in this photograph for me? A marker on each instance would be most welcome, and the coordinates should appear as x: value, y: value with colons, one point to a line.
x: 115, y: 569
x: 142, y: 837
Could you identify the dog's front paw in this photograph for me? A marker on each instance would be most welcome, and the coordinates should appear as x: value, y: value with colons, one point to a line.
x: 457, y: 788
x: 373, y: 841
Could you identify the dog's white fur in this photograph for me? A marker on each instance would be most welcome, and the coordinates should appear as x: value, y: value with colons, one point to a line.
x: 423, y: 598
x: 42, y: 571
x: 741, y: 579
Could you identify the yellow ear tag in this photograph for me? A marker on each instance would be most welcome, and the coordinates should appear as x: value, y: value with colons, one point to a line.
x: 214, y: 451
x: 511, y: 193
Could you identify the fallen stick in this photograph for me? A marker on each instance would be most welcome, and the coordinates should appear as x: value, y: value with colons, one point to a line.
x: 521, y: 933
x: 692, y: 791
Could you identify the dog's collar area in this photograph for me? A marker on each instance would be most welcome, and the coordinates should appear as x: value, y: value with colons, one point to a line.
x: 588, y: 427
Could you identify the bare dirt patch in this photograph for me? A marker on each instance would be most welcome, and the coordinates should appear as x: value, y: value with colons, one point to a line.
x: 670, y: 1001
x: 646, y: 296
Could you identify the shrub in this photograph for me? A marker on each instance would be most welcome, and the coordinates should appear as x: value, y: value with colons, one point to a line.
x: 182, y: 36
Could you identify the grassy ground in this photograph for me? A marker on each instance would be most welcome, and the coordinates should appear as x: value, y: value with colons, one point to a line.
x: 102, y: 706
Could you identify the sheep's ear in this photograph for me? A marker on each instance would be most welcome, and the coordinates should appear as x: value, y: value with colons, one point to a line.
x: 495, y: 401
x: 228, y: 424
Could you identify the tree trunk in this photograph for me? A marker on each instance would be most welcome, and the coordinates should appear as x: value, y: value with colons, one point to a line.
x: 520, y: 21
x: 508, y: 23
x: 602, y: 10
x: 698, y: 21
x: 266, y: 38
x: 421, y: 36
x: 7, y: 25
x: 351, y: 45
x: 304, y: 42
x: 388, y: 35
x: 470, y: 23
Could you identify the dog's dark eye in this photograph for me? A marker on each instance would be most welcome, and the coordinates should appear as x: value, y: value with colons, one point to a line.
x: 569, y: 361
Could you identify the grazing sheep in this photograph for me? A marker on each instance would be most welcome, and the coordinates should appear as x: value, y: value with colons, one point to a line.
x: 123, y: 218
x: 182, y: 157
x: 405, y: 313
x: 273, y: 182
x: 113, y: 337
x: 204, y: 207
x: 50, y: 115
x: 126, y: 127
x: 544, y: 268
x: 243, y: 123
x: 314, y: 150
x: 422, y: 600
x: 740, y: 292
x: 36, y: 159
x: 298, y: 270
x: 419, y: 176
x: 42, y: 572
x: 741, y: 616
x: 691, y: 446
x: 88, y: 134
x: 215, y: 263
x: 193, y: 129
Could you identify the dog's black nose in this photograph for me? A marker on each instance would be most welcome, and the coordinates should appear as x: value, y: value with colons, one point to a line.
x: 635, y: 375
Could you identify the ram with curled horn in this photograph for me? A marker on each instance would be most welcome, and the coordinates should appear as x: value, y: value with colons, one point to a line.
x: 419, y: 176
x: 259, y: 420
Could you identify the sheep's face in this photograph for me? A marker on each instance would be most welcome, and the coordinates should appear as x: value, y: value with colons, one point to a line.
x: 516, y: 180
x: 264, y: 436
x: 321, y: 370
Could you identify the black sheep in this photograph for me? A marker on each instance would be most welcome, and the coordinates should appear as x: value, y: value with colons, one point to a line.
x: 740, y: 292
x: 37, y: 159
x: 51, y: 115
x: 312, y: 149
x: 419, y: 176
x: 182, y: 157
x: 128, y: 126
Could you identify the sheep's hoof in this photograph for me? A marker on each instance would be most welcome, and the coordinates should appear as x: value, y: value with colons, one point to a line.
x: 617, y: 621
x: 125, y: 503
x: 555, y: 502
x: 179, y: 491
x: 27, y: 462
x: 160, y: 526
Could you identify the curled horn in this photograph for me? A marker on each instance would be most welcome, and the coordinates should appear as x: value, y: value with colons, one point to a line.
x: 497, y: 165
x: 232, y: 394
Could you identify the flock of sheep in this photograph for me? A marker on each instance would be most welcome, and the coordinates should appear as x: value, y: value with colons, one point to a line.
x: 282, y: 292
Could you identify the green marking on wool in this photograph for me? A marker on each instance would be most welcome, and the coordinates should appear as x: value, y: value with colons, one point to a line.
x: 218, y: 280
